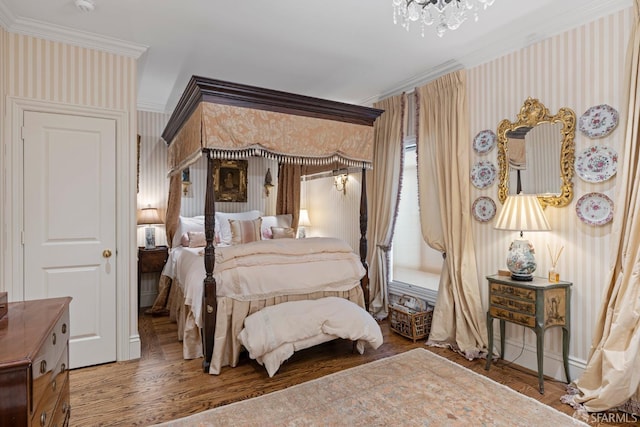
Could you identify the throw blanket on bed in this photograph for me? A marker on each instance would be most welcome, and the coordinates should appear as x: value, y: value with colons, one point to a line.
x: 272, y: 334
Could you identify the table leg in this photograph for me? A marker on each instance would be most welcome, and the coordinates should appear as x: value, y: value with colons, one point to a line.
x: 565, y: 352
x: 490, y: 337
x: 540, y: 353
x: 502, y: 338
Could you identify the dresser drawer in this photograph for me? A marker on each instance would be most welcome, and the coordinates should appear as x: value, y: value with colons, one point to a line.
x: 45, y: 412
x: 512, y: 291
x: 153, y: 261
x: 49, y: 360
x: 521, y: 319
x: 62, y: 411
x: 514, y: 304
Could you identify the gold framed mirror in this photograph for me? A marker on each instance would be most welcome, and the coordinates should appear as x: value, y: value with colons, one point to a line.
x: 536, y: 154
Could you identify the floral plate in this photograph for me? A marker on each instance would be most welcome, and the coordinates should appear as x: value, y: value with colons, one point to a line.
x: 484, y: 141
x: 483, y: 174
x: 596, y: 163
x: 595, y: 209
x: 598, y: 121
x: 484, y: 209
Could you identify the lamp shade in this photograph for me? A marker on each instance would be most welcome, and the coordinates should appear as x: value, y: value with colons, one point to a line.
x: 303, y: 219
x: 522, y: 212
x: 148, y: 216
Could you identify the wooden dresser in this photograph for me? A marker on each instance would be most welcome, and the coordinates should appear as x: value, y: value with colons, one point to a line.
x: 34, y: 357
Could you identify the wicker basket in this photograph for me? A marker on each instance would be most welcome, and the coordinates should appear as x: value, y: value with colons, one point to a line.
x: 410, y: 323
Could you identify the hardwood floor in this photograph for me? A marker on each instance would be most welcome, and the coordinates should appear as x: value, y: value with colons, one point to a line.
x: 161, y: 386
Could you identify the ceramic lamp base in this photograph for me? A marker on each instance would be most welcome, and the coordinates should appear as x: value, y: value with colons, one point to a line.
x: 149, y: 238
x: 520, y: 260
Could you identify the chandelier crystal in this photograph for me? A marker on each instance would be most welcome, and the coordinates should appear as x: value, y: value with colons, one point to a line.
x: 445, y: 14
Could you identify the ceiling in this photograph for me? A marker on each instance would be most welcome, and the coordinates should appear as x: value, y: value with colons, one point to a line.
x: 344, y: 50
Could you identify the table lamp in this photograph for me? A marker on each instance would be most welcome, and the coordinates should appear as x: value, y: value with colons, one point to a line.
x: 522, y: 212
x: 149, y: 216
x: 303, y: 221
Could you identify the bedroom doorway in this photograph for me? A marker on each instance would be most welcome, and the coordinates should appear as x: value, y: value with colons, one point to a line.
x: 69, y: 237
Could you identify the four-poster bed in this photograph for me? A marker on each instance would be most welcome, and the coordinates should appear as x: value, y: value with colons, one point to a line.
x: 223, y: 120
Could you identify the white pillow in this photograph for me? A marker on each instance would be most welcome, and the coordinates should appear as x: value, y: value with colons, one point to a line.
x: 185, y: 225
x: 283, y: 221
x: 222, y: 220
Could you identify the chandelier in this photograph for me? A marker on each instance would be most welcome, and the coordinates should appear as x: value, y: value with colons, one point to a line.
x: 446, y: 14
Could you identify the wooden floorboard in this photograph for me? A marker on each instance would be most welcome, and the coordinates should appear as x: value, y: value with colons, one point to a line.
x: 161, y: 386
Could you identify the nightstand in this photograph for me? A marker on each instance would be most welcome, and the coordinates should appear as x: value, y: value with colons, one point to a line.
x: 151, y: 261
x: 538, y: 305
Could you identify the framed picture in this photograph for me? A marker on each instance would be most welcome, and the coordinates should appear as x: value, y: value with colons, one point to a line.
x: 230, y: 180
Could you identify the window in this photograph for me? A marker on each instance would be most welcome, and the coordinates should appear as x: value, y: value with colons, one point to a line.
x: 413, y: 262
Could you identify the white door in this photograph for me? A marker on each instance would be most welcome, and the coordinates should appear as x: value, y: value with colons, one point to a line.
x: 70, y: 225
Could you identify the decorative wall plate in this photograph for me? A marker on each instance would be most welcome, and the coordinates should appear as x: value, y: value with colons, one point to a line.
x: 484, y: 141
x: 595, y: 209
x: 483, y: 209
x: 596, y: 163
x: 598, y: 121
x: 483, y: 174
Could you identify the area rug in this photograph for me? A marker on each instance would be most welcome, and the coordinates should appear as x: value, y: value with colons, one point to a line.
x: 415, y: 388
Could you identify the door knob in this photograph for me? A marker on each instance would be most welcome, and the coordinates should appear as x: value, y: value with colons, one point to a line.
x: 106, y: 253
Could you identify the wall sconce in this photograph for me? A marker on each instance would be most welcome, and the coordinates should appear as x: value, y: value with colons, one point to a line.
x: 340, y: 178
x: 268, y: 182
x: 149, y: 216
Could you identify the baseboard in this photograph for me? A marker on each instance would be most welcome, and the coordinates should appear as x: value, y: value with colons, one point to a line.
x: 135, y: 347
x: 552, y: 364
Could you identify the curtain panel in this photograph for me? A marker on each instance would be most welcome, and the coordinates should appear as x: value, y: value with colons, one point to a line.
x: 384, y: 196
x: 445, y: 212
x: 612, y: 375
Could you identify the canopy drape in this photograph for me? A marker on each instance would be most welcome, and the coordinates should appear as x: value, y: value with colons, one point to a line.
x: 445, y: 212
x: 612, y: 375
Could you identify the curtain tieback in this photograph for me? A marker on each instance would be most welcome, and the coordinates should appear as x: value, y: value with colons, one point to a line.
x: 385, y: 248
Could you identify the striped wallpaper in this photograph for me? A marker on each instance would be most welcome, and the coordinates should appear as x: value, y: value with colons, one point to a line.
x: 57, y: 72
x: 577, y: 69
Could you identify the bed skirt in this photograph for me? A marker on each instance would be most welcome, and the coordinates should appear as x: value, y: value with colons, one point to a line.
x: 230, y: 321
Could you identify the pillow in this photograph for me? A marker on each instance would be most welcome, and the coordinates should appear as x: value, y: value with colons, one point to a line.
x: 283, y: 233
x: 245, y: 231
x: 274, y: 221
x: 222, y: 220
x: 197, y: 239
x: 186, y: 224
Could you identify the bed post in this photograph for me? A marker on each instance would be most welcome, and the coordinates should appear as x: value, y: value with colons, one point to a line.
x: 364, y: 282
x: 209, y: 300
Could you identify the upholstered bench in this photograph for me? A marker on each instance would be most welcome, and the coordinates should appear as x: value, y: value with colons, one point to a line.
x: 274, y: 333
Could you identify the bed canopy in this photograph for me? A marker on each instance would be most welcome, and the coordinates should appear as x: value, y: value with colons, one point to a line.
x: 225, y: 120
x: 237, y: 121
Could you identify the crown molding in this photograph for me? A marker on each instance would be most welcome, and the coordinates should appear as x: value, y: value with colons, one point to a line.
x: 509, y: 39
x: 58, y: 33
x: 6, y: 16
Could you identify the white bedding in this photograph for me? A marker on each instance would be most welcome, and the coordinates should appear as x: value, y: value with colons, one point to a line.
x: 272, y: 334
x: 268, y: 268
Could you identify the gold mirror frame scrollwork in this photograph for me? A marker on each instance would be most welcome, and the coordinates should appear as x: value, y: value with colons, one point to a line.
x: 532, y: 113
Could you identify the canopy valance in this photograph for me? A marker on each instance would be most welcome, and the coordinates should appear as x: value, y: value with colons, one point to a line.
x: 236, y: 121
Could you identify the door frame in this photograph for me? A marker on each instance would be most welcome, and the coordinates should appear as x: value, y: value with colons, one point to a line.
x: 12, y: 252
